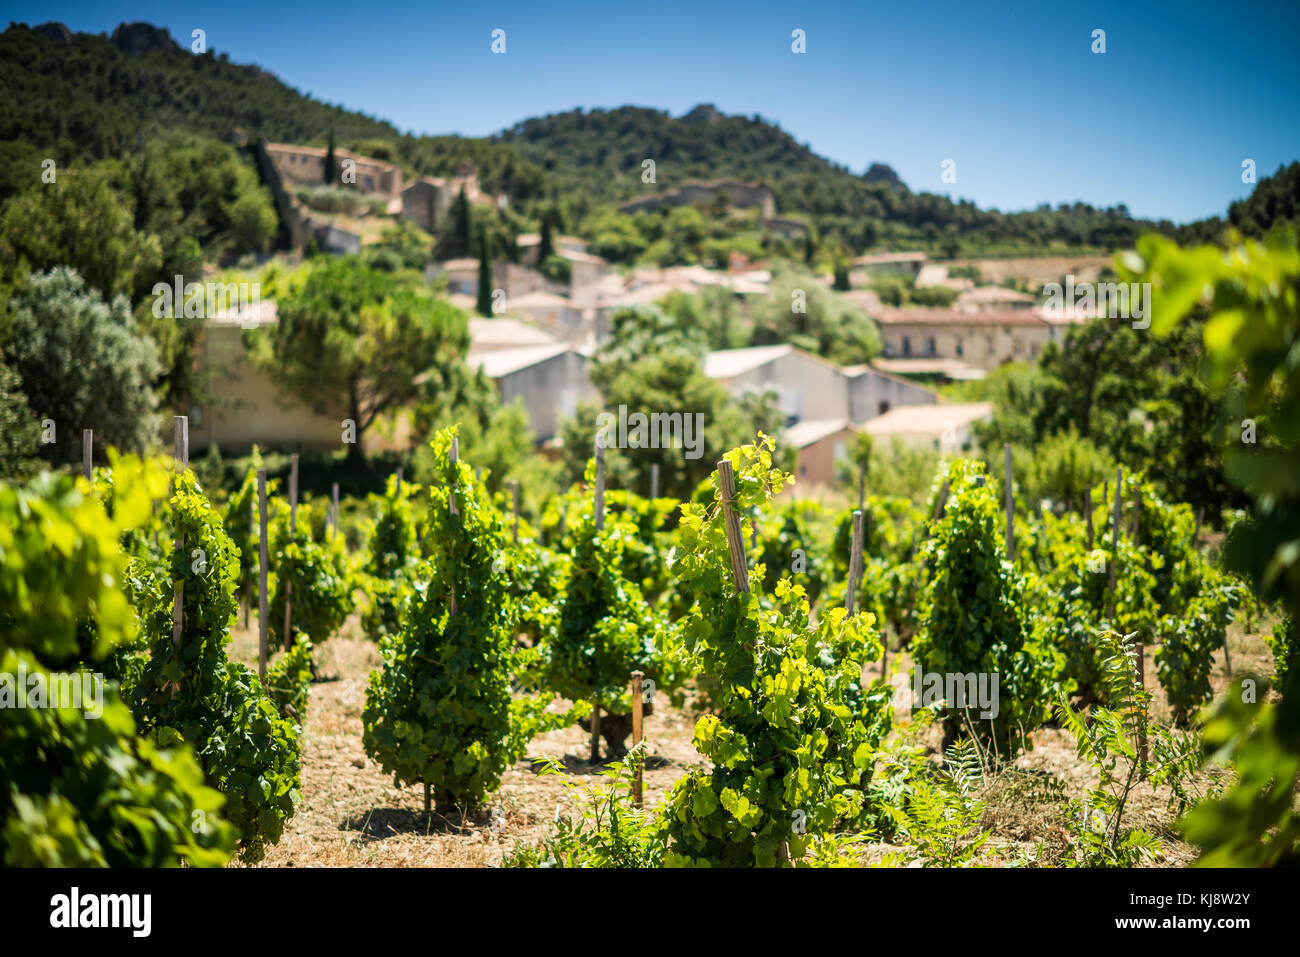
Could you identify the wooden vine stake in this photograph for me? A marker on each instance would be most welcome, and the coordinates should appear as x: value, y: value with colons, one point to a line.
x: 262, y: 563
x: 599, y: 522
x: 293, y: 524
x: 181, y: 451
x: 654, y: 479
x: 1010, y: 502
x: 727, y: 486
x: 1087, y: 513
x: 87, y: 452
x: 1142, y: 726
x: 514, y: 488
x: 855, y: 563
x: 334, y: 509
x: 637, y: 737
x: 1114, y: 542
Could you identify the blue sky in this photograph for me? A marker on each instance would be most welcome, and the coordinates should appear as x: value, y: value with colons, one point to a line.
x: 1012, y: 93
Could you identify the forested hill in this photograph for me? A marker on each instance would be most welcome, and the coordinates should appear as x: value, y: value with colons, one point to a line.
x: 81, y: 97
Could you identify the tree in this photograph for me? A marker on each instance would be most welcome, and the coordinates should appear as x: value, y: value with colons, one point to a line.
x: 462, y: 226
x: 19, y: 433
x: 83, y: 363
x: 360, y: 340
x: 484, y: 277
x: 800, y: 310
x: 80, y: 222
x: 546, y: 242
x: 331, y: 164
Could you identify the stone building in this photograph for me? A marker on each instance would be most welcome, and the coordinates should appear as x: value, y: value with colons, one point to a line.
x: 732, y: 192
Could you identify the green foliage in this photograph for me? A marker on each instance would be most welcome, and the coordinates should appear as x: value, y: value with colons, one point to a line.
x: 321, y: 578
x: 792, y: 743
x: 19, y: 433
x: 439, y: 710
x: 189, y: 691
x: 79, y: 789
x: 1108, y: 738
x: 606, y: 630
x: 1250, y: 292
x: 288, y: 680
x: 974, y: 619
x: 83, y: 363
x: 800, y: 310
x: 1284, y: 642
x: 610, y: 831
x: 394, y: 560
x: 944, y: 809
x: 360, y: 338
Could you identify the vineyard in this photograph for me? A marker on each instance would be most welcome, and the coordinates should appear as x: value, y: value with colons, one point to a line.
x: 436, y: 675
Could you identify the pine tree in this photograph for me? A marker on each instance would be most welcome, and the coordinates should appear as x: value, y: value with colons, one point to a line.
x: 462, y: 225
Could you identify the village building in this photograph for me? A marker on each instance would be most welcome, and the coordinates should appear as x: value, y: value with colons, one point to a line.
x: 819, y: 446
x: 946, y: 427
x: 550, y: 380
x: 244, y: 405
x: 732, y: 193
x: 875, y: 265
x: 983, y: 339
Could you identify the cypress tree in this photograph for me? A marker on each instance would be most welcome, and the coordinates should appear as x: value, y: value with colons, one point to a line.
x: 484, y: 277
x: 331, y: 164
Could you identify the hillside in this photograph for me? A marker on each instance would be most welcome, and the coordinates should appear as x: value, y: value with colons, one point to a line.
x: 78, y: 97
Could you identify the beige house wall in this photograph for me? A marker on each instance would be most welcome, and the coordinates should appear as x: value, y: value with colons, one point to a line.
x: 816, y: 464
x: 246, y: 406
x: 809, y: 390
x: 979, y: 344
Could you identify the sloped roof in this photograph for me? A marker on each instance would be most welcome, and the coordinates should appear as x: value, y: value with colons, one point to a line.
x: 803, y: 434
x: 926, y: 419
x: 728, y: 363
x: 501, y: 362
x: 505, y: 333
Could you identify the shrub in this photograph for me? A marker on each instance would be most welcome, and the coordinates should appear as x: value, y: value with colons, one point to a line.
x: 973, y: 617
x: 792, y: 742
x: 78, y: 791
x: 190, y: 692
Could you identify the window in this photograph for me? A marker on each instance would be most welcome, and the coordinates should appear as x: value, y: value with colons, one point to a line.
x: 960, y: 348
x: 907, y: 345
x: 929, y: 346
x: 883, y: 407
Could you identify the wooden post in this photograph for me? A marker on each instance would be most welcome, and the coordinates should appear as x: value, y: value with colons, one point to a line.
x: 334, y: 509
x: 654, y: 479
x: 1196, y: 533
x: 862, y: 486
x: 727, y: 486
x: 400, y: 470
x: 599, y: 522
x: 1137, y: 517
x: 293, y: 525
x: 600, y: 482
x: 453, y: 456
x: 1142, y: 729
x: 637, y: 737
x: 181, y: 451
x: 263, y: 561
x: 941, y: 502
x: 428, y: 806
x: 1010, y: 503
x: 855, y: 563
x: 1087, y: 513
x: 478, y: 474
x: 87, y: 452
x: 515, y: 495
x: 1114, y: 541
